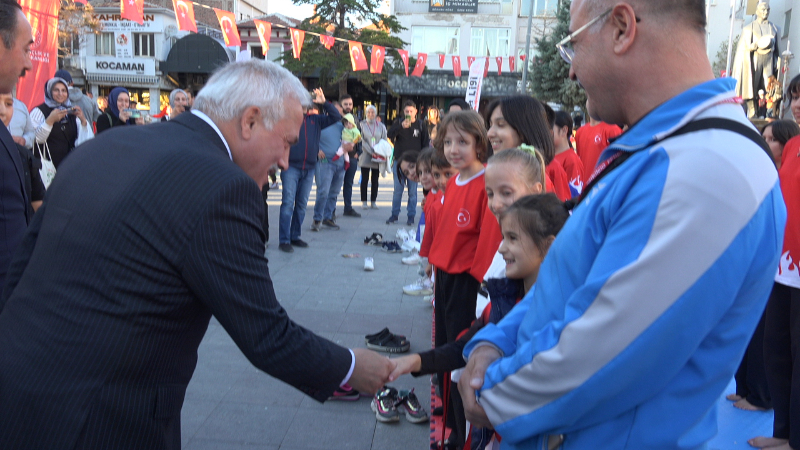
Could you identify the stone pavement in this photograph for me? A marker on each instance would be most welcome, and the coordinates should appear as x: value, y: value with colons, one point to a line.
x: 232, y: 405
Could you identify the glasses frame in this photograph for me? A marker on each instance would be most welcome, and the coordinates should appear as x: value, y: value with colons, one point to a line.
x: 567, y: 54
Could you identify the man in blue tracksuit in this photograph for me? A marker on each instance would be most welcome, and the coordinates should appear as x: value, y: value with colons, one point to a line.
x: 650, y: 293
x: 297, y: 179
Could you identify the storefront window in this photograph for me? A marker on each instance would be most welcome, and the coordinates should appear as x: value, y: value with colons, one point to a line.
x: 433, y: 40
x: 104, y: 44
x: 144, y: 44
x: 494, y: 40
x: 540, y: 7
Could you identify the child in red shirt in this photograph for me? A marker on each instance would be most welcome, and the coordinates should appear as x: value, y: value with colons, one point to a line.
x: 565, y: 155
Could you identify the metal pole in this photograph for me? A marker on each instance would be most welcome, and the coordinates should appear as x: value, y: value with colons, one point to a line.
x: 528, y: 49
x: 730, y: 40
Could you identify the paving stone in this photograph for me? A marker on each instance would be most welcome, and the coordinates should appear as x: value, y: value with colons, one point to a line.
x: 244, y: 422
x: 322, y: 429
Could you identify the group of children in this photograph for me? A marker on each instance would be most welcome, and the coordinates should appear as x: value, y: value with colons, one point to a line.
x: 487, y: 232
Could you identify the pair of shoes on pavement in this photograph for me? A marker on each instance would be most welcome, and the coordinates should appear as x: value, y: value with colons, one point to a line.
x: 386, y: 341
x: 345, y: 393
x: 423, y: 286
x: 388, y: 400
x: 289, y: 248
x: 412, y: 260
x: 351, y: 213
x: 374, y: 239
x: 391, y: 247
x: 365, y: 206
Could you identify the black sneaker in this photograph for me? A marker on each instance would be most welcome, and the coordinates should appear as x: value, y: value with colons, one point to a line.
x: 415, y: 413
x: 300, y: 243
x: 351, y: 213
x: 286, y: 248
x: 410, y: 221
x: 385, y: 405
x: 315, y: 225
x: 330, y: 224
x: 392, y: 219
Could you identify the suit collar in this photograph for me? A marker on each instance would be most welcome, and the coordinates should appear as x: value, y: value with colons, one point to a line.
x: 200, y: 126
x: 11, y: 148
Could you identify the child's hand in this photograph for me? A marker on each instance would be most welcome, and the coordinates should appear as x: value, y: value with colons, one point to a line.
x: 422, y: 204
x: 406, y: 364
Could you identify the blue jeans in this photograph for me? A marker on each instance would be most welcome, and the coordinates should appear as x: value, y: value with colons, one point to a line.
x: 349, y: 176
x: 399, y: 187
x: 296, y: 187
x: 331, y: 176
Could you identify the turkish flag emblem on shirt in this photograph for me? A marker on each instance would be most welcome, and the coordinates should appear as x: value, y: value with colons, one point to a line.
x: 132, y: 10
x: 184, y: 14
x: 297, y: 41
x: 404, y: 57
x: 327, y: 41
x: 422, y: 61
x: 457, y: 66
x: 376, y: 61
x: 441, y: 61
x: 357, y: 57
x: 227, y: 22
x: 499, y: 65
x: 264, y: 30
x: 512, y: 62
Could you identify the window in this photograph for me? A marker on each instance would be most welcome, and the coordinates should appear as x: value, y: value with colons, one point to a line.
x: 493, y: 40
x: 144, y: 44
x: 433, y: 40
x: 540, y: 7
x: 104, y: 44
x: 787, y: 21
x: 273, y: 54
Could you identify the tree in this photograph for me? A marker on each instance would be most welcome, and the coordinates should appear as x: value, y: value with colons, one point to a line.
x: 342, y: 18
x: 75, y: 22
x: 549, y: 72
x: 721, y: 59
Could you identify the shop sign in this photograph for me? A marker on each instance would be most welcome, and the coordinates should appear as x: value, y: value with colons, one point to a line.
x: 114, y: 22
x: 121, y: 66
x: 453, y: 6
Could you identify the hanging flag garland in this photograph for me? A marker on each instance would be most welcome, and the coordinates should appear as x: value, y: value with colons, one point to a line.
x: 512, y: 62
x: 441, y: 61
x: 499, y: 60
x: 457, y: 66
x: 132, y: 10
x: 184, y: 14
x: 227, y: 22
x: 357, y: 57
x: 422, y: 61
x: 376, y: 59
x: 264, y: 30
x: 297, y: 41
x: 404, y: 57
x: 327, y: 41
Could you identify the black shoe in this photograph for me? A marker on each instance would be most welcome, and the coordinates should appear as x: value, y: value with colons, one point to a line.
x: 351, y: 213
x: 392, y: 219
x: 330, y: 224
x: 410, y: 221
x: 286, y: 248
x: 300, y: 243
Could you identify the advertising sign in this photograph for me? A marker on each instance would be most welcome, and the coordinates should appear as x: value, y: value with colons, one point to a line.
x: 454, y: 6
x: 120, y: 66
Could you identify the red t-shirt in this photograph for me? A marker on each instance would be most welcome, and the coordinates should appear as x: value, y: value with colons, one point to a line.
x: 467, y: 233
x: 590, y: 141
x: 557, y: 175
x: 433, y: 205
x: 789, y: 265
x: 574, y: 168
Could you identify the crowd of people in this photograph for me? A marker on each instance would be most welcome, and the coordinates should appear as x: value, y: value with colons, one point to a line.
x: 599, y: 294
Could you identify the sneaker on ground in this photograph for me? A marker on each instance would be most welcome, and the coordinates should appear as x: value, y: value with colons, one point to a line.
x: 364, y: 205
x: 420, y: 287
x: 351, y: 213
x: 300, y: 243
x: 369, y: 265
x: 428, y: 298
x: 330, y: 224
x: 315, y: 225
x: 402, y: 235
x: 384, y: 404
x: 391, y: 220
x: 410, y: 222
x: 412, y: 260
x: 374, y: 205
x: 415, y: 413
x: 345, y: 393
x: 286, y: 247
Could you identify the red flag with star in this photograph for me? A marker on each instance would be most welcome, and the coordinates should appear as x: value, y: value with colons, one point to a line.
x: 327, y: 41
x: 376, y: 59
x: 441, y: 61
x: 522, y: 57
x: 422, y: 61
x: 357, y: 57
x: 264, y: 30
x: 512, y: 62
x: 227, y: 22
x: 499, y: 65
x: 404, y: 57
x: 456, y: 65
x: 132, y: 10
x: 184, y: 14
x: 470, y: 60
x: 297, y: 41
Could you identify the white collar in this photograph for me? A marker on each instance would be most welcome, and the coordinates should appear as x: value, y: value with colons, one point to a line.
x: 461, y: 182
x: 208, y: 120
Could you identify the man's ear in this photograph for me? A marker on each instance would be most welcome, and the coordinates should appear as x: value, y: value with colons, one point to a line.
x: 250, y: 117
x: 623, y: 21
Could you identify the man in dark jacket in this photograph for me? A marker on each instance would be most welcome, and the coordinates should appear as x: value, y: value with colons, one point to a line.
x: 408, y: 133
x: 299, y: 176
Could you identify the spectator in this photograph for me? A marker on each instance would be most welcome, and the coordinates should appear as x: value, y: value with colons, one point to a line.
x: 34, y: 187
x: 178, y: 103
x: 350, y: 172
x: 59, y: 124
x: 777, y: 133
x: 408, y: 134
x: 432, y: 122
x: 458, y: 104
x: 90, y: 110
x: 591, y: 139
x: 22, y: 129
x: 331, y: 173
x: 117, y: 114
x: 372, y: 131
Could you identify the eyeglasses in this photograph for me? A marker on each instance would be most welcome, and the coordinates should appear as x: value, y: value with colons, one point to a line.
x: 565, y: 46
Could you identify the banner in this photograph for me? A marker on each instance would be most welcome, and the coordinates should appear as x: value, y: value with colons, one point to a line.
x: 475, y: 82
x: 132, y: 10
x: 327, y: 41
x: 422, y: 61
x: 376, y: 59
x: 297, y: 41
x: 441, y: 61
x: 404, y: 57
x: 264, y: 30
x: 499, y: 65
x: 357, y: 57
x: 123, y: 43
x: 227, y: 22
x: 184, y: 14
x: 457, y: 65
x: 43, y: 16
x: 512, y: 62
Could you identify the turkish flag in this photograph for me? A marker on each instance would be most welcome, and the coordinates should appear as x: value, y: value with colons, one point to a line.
x: 422, y: 61
x: 327, y: 41
x: 43, y: 17
x: 512, y: 62
x: 456, y: 65
x: 357, y: 57
x: 184, y: 14
x: 264, y: 30
x: 132, y: 10
x: 404, y: 57
x: 297, y: 41
x: 227, y: 22
x: 470, y: 60
x: 522, y: 57
x: 376, y: 59
x: 441, y: 61
x: 499, y: 65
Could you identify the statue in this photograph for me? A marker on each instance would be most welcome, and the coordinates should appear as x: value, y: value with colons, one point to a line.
x: 757, y: 57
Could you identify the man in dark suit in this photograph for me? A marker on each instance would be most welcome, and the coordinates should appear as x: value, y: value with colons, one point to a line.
x: 145, y: 233
x: 16, y: 37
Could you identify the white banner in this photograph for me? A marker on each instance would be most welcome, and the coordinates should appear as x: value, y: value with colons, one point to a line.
x: 123, y: 41
x: 121, y: 66
x: 475, y: 82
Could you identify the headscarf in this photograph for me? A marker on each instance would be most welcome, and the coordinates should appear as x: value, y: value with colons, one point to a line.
x: 372, y: 107
x: 112, y: 100
x: 174, y: 94
x: 48, y: 93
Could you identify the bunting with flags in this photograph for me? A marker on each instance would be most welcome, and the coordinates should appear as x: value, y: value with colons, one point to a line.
x: 512, y: 62
x: 327, y: 41
x: 470, y: 60
x: 376, y: 59
x: 227, y: 22
x: 441, y: 61
x: 422, y: 61
x: 357, y: 57
x: 132, y: 10
x: 457, y: 65
x: 404, y: 57
x: 264, y: 30
x: 184, y: 14
x: 499, y: 65
x: 298, y: 36
x: 522, y: 58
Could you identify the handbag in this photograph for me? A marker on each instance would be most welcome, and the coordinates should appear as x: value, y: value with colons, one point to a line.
x: 48, y: 170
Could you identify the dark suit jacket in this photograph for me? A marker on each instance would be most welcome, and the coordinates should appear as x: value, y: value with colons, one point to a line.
x: 14, y: 202
x: 144, y: 234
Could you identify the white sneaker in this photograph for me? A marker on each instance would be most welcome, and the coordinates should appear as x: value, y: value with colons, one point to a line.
x: 420, y: 287
x: 369, y: 265
x: 428, y: 298
x: 402, y: 235
x: 364, y: 205
x: 274, y: 185
x: 374, y: 205
x: 412, y: 260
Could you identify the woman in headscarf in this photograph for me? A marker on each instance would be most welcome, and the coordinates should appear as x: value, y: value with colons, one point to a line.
x: 115, y: 115
x: 372, y: 131
x: 60, y: 126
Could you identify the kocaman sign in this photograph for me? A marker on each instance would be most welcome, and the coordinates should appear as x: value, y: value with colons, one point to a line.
x: 121, y: 66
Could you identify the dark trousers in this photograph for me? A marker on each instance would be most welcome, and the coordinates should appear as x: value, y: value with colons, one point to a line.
x: 781, y: 347
x: 265, y: 225
x: 456, y: 295
x: 365, y: 172
x: 347, y: 188
x: 751, y: 377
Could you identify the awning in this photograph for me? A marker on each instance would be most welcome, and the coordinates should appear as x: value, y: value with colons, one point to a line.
x: 445, y: 84
x: 195, y: 53
x: 123, y: 80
